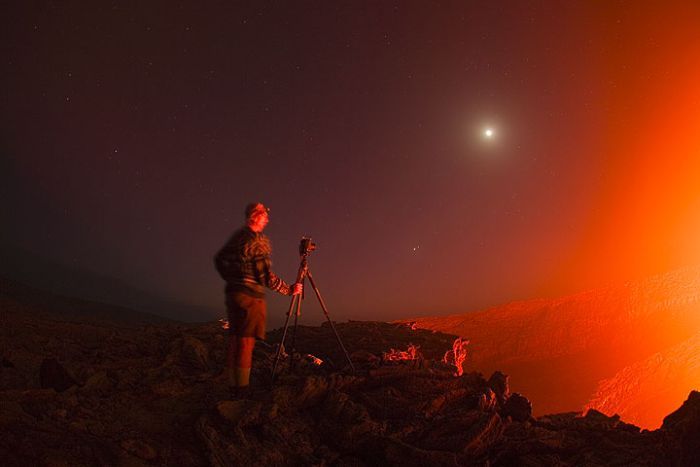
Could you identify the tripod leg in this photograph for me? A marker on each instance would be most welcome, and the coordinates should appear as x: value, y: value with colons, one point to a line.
x: 325, y: 311
x: 301, y: 273
x: 284, y: 335
x: 294, y: 332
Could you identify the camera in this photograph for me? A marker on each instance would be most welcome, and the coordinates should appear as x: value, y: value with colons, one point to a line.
x: 306, y: 246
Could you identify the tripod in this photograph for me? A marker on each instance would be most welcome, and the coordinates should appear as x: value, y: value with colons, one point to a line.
x: 305, y: 248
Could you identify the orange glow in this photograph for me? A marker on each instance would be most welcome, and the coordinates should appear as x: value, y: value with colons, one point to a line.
x: 224, y: 323
x: 645, y: 392
x: 394, y: 355
x: 458, y: 355
x: 315, y: 360
x: 647, y: 215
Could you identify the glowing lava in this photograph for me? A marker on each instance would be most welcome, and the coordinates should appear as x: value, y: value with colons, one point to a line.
x: 458, y: 355
x: 394, y: 355
x: 312, y: 359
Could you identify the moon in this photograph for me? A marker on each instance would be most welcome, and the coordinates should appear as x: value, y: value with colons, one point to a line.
x: 489, y: 133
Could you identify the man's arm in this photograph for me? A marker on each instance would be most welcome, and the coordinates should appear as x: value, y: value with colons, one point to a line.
x: 269, y: 279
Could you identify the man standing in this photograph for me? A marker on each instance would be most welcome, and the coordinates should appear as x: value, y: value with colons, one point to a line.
x: 244, y: 263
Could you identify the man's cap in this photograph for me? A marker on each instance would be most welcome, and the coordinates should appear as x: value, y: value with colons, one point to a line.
x: 255, y: 208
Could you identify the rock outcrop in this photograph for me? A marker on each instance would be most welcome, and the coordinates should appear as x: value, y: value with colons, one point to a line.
x: 558, y: 351
x: 682, y: 429
x: 643, y: 393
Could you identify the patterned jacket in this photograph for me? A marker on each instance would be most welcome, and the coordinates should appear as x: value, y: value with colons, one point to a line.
x: 244, y: 263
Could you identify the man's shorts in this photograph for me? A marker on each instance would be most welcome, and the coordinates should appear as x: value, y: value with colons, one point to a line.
x: 246, y: 315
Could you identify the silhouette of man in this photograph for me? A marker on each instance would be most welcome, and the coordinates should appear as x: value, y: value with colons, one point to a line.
x: 244, y: 263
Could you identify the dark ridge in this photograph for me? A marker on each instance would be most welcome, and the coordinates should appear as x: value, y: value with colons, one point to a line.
x: 46, y: 274
x: 21, y: 299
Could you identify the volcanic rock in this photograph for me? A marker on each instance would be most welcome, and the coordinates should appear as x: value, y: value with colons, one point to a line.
x: 347, y: 422
x: 385, y: 450
x: 683, y: 426
x: 240, y: 412
x: 189, y: 353
x: 365, y: 360
x: 140, y: 449
x: 517, y: 407
x: 99, y: 383
x: 53, y: 375
x: 150, y: 397
x: 467, y: 432
x: 11, y: 377
x: 488, y: 400
x: 498, y: 382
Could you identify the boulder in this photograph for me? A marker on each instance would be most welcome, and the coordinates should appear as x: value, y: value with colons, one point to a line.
x: 498, y: 382
x: 517, y: 407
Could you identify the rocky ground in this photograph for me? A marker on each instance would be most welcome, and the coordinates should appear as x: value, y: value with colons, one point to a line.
x: 84, y: 391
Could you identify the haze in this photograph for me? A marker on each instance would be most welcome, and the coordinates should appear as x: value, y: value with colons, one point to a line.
x: 133, y: 137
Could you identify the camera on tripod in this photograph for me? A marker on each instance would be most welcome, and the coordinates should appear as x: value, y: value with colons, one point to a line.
x: 306, y: 246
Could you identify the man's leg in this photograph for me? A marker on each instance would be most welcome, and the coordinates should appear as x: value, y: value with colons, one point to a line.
x: 244, y: 361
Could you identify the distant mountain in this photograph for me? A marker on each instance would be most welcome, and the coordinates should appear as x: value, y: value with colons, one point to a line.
x: 557, y: 351
x: 20, y: 300
x: 46, y: 274
x: 643, y: 393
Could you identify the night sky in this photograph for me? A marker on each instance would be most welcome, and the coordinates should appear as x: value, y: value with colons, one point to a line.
x: 134, y: 134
